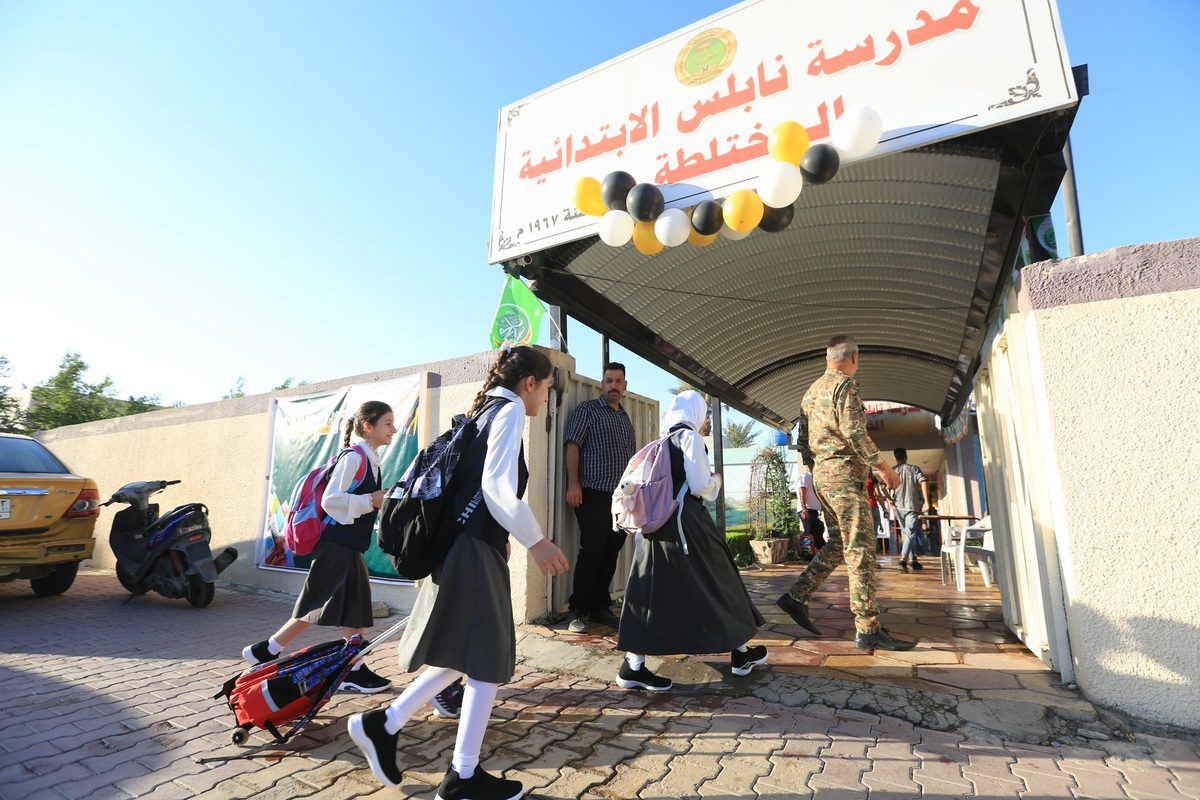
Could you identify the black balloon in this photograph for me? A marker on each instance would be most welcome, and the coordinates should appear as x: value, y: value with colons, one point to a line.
x: 820, y: 163
x: 644, y: 202
x: 615, y: 187
x: 707, y: 218
x: 776, y: 219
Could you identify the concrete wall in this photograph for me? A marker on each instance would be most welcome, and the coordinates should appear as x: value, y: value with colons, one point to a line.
x: 220, y: 453
x: 1090, y: 401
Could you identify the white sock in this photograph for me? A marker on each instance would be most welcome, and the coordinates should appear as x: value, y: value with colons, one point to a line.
x: 742, y: 649
x: 275, y: 647
x: 478, y: 699
x: 635, y: 661
x: 418, y: 693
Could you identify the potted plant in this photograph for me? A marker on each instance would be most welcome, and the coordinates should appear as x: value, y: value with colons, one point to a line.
x: 772, y: 518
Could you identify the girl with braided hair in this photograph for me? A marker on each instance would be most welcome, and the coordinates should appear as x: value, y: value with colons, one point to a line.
x: 462, y: 622
x: 337, y: 589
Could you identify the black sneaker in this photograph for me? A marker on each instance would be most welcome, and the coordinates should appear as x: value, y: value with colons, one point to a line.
x: 745, y: 661
x: 363, y: 681
x: 799, y: 612
x: 578, y: 623
x: 605, y: 617
x: 377, y: 745
x: 916, y: 565
x: 882, y: 640
x: 903, y: 567
x: 480, y: 786
x: 447, y: 703
x: 258, y: 653
x: 628, y: 678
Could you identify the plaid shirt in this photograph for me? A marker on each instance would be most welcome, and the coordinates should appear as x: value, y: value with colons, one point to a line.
x: 606, y: 443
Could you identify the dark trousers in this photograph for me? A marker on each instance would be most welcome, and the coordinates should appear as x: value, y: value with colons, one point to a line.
x: 599, y: 548
x: 814, y: 527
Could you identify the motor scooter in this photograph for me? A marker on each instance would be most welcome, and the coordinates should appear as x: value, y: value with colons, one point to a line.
x: 168, y: 554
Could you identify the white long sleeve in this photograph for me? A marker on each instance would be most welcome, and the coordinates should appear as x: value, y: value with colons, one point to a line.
x: 500, y: 473
x: 701, y: 481
x: 337, y: 501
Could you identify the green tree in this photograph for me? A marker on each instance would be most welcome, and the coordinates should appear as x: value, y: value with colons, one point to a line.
x: 781, y: 515
x: 288, y: 383
x: 68, y: 399
x: 238, y: 390
x: 11, y: 418
x: 740, y: 435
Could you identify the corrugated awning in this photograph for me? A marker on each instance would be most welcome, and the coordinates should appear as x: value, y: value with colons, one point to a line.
x: 908, y: 253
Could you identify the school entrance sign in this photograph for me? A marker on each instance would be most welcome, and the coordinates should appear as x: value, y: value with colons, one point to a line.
x: 692, y: 111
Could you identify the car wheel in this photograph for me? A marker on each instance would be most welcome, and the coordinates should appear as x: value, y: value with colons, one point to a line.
x: 57, y: 581
x: 200, y: 592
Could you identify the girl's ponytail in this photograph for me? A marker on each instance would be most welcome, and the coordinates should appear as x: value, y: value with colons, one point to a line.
x: 349, y: 430
x: 512, y: 366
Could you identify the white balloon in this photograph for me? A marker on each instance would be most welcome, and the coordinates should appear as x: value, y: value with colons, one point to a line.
x: 732, y: 235
x: 779, y: 183
x: 857, y: 132
x: 616, y: 228
x: 672, y: 227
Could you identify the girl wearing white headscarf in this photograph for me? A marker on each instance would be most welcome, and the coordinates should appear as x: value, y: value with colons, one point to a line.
x: 684, y: 594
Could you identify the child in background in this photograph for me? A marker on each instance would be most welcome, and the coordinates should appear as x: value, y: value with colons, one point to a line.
x: 337, y: 590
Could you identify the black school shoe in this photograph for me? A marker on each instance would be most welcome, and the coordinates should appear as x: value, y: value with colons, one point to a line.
x: 447, y: 703
x: 258, y: 653
x: 377, y: 745
x: 362, y: 681
x: 744, y: 662
x: 882, y: 640
x: 629, y: 678
x: 480, y: 786
x: 916, y: 565
x: 605, y: 616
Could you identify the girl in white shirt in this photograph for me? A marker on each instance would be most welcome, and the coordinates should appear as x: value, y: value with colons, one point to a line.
x: 462, y: 622
x: 337, y: 589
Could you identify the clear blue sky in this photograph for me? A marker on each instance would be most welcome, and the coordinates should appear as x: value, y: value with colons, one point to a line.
x: 190, y: 192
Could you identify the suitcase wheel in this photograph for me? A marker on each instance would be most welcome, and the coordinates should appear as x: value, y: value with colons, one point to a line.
x: 238, y: 736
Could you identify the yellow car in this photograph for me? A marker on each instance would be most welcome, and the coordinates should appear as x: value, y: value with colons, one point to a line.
x: 47, y: 516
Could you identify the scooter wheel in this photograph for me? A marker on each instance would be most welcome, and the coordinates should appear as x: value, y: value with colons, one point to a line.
x: 199, y: 592
x: 238, y: 736
x: 127, y: 581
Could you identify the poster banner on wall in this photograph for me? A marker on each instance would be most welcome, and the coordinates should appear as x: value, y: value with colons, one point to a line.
x: 306, y: 432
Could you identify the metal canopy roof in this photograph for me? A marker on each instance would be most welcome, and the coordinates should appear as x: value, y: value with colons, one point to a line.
x: 908, y: 253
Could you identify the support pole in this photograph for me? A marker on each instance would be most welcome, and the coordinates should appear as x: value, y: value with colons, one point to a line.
x: 718, y: 434
x: 1071, y: 203
x: 559, y: 336
x: 604, y: 359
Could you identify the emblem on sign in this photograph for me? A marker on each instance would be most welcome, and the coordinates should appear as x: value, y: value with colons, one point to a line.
x: 705, y: 56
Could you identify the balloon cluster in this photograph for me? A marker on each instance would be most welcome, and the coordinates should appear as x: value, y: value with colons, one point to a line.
x: 632, y: 210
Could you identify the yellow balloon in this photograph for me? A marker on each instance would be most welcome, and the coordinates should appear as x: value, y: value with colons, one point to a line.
x: 588, y: 199
x: 644, y: 239
x: 700, y: 240
x: 743, y: 210
x: 788, y: 142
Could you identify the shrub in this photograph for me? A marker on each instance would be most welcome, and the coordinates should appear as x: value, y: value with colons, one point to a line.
x: 739, y: 545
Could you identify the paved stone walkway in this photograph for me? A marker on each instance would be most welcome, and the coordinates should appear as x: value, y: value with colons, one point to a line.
x: 105, y: 700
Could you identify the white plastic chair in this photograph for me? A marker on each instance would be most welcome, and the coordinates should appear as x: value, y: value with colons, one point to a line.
x: 955, y: 552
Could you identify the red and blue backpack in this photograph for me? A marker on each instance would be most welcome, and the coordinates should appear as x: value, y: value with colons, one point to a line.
x: 306, y: 520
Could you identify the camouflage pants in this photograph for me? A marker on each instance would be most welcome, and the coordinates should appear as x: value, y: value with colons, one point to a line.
x: 849, y: 539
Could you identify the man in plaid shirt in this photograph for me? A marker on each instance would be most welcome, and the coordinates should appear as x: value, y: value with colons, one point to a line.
x: 599, y: 444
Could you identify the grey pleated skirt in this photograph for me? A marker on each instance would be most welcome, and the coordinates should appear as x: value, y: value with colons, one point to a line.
x: 338, y: 589
x: 463, y: 619
x: 692, y: 602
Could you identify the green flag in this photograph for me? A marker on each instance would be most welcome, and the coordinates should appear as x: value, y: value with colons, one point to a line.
x: 518, y: 317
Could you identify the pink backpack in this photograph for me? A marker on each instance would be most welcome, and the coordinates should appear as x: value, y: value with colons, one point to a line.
x: 306, y: 520
x: 643, y: 501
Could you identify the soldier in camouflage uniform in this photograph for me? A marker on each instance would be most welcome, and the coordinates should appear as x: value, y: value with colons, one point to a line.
x: 833, y: 431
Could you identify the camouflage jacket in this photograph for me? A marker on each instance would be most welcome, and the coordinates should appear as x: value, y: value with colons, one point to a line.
x: 833, y: 428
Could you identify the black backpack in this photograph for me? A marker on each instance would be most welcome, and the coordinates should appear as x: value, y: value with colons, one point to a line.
x: 416, y: 522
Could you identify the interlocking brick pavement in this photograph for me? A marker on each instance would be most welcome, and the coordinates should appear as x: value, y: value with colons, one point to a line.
x: 100, y: 699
